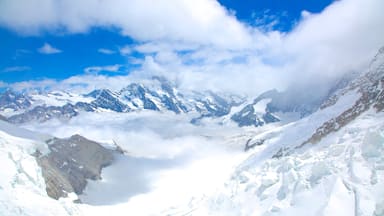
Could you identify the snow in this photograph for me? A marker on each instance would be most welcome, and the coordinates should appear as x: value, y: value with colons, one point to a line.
x: 341, y: 201
x: 334, y: 177
x: 57, y: 98
x: 22, y: 188
x: 175, y: 168
x: 260, y: 106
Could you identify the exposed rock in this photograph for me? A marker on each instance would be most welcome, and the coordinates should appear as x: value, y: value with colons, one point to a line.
x: 249, y: 117
x: 70, y: 163
x: 106, y: 99
x: 250, y: 145
x: 371, y: 88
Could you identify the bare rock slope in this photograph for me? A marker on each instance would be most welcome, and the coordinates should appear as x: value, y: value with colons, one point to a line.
x: 70, y: 163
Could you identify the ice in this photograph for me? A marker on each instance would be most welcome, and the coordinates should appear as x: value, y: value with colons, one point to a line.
x: 341, y: 201
x: 373, y: 145
x: 22, y: 188
x: 260, y: 106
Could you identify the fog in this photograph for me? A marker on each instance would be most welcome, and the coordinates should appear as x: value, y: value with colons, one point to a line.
x: 164, y: 153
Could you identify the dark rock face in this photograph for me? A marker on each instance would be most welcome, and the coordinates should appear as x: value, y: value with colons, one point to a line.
x: 137, y: 91
x: 250, y: 144
x: 105, y: 99
x: 248, y: 117
x: 70, y: 163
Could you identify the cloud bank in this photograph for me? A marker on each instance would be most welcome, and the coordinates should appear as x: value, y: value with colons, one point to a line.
x: 166, y: 155
x: 203, y: 46
x: 199, y: 21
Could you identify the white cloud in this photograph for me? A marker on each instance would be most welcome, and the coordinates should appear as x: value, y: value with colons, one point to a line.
x: 79, y: 84
x: 16, y: 69
x: 48, y: 49
x: 199, y: 21
x: 106, y: 51
x: 166, y: 155
x: 342, y: 38
x: 35, y: 84
x: 97, y: 69
x: 126, y: 50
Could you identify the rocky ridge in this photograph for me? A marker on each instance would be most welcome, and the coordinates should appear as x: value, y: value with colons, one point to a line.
x: 370, y: 86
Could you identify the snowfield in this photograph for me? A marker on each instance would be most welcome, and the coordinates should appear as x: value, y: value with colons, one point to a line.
x: 341, y: 175
x: 175, y: 168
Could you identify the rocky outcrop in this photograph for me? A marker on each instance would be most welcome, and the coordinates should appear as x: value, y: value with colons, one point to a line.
x: 249, y: 117
x: 106, y: 99
x: 371, y: 88
x: 70, y: 163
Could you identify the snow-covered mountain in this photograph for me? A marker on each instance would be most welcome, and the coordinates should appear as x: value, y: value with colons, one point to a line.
x: 327, y: 161
x: 160, y: 95
x: 38, y: 167
x: 157, y: 94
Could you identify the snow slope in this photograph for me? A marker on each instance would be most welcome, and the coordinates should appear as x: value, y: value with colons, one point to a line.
x: 172, y: 167
x: 341, y: 175
x: 22, y: 187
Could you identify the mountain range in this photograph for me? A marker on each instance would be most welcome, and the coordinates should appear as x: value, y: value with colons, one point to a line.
x: 159, y: 95
x: 326, y: 160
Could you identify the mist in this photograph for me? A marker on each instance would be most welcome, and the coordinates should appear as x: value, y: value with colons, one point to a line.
x: 164, y: 152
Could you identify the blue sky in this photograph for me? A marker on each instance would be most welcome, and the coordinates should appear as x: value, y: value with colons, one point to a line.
x: 21, y: 59
x: 286, y: 12
x: 229, y: 45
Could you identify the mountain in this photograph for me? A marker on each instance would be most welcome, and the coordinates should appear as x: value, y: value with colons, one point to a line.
x: 257, y: 113
x: 106, y: 99
x: 288, y: 105
x: 12, y: 101
x: 370, y: 88
x: 65, y: 164
x: 157, y: 94
x: 70, y: 163
x: 327, y: 163
x: 160, y: 95
x: 38, y: 167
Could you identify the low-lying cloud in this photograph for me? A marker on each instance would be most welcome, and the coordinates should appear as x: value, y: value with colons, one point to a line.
x: 145, y: 134
x: 165, y: 155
